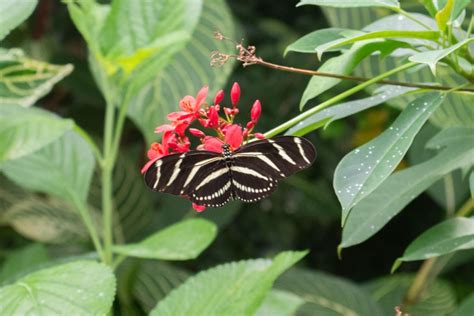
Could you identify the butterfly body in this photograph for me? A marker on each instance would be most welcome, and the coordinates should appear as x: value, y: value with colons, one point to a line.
x: 249, y: 174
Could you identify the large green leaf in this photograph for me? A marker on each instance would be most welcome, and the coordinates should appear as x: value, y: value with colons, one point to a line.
x: 154, y: 280
x: 64, y: 168
x: 14, y: 13
x: 449, y: 236
x: 353, y: 3
x: 432, y: 57
x: 327, y: 295
x: 187, y: 72
x: 438, y: 300
x: 19, y: 261
x: 231, y: 289
x: 343, y: 65
x: 309, y: 42
x: 47, y: 220
x: 279, y: 303
x: 465, y: 308
x: 456, y: 110
x: 345, y: 109
x: 78, y: 288
x: 361, y: 171
x: 378, y: 208
x: 24, y: 80
x: 24, y: 131
x: 182, y: 241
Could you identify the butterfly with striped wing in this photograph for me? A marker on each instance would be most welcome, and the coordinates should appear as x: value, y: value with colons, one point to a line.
x: 249, y: 173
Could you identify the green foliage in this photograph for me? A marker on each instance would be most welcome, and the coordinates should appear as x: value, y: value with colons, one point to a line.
x: 279, y: 303
x: 17, y: 13
x: 327, y: 295
x: 439, y: 299
x: 355, y: 3
x: 63, y: 169
x: 466, y: 307
x: 182, y: 241
x: 24, y: 80
x: 379, y: 207
x: 361, y: 171
x: 446, y: 237
x: 22, y: 260
x: 25, y: 131
x: 78, y: 288
x: 238, y: 297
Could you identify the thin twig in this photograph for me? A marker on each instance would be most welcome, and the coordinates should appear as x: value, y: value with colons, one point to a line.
x: 248, y: 57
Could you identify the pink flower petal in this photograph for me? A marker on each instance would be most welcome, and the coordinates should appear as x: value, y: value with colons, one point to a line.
x: 164, y: 128
x: 233, y: 136
x: 201, y: 97
x: 213, y: 144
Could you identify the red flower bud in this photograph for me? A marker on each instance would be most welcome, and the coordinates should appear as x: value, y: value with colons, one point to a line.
x: 219, y: 97
x: 233, y: 136
x: 256, y: 111
x: 196, y: 132
x: 250, y: 124
x: 235, y: 94
x: 259, y: 135
x: 245, y: 133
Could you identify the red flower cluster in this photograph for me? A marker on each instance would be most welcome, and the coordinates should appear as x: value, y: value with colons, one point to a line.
x: 175, y: 140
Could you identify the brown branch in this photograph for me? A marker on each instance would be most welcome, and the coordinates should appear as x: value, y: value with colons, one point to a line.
x: 248, y: 57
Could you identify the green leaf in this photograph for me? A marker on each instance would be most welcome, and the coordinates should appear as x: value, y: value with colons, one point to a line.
x: 466, y: 307
x: 342, y: 110
x: 429, y: 6
x: 20, y: 261
x: 309, y: 42
x: 431, y: 58
x: 443, y: 15
x: 77, y: 288
x: 325, y: 294
x: 24, y: 131
x: 17, y: 13
x: 362, y: 170
x: 456, y: 110
x: 230, y: 289
x: 181, y: 241
x: 63, y: 169
x: 343, y: 65
x: 46, y: 220
x: 428, y: 35
x: 154, y: 280
x: 378, y: 208
x: 187, y: 72
x: 437, y: 300
x: 449, y: 236
x: 351, y: 4
x: 279, y: 303
x: 24, y: 80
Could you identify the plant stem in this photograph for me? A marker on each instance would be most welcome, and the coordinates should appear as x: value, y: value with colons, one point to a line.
x: 466, y: 208
x: 86, y: 218
x: 450, y: 195
x: 107, y: 169
x: 334, y: 100
x: 354, y: 78
x: 410, y: 17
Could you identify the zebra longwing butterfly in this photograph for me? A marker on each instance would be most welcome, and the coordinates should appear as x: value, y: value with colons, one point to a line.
x: 249, y: 174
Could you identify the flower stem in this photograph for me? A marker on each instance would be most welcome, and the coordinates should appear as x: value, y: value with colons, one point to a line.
x: 345, y: 94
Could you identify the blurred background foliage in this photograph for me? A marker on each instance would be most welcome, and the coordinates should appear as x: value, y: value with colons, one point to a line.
x: 303, y: 214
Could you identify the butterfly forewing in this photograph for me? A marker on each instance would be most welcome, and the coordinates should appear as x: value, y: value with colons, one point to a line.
x: 179, y: 173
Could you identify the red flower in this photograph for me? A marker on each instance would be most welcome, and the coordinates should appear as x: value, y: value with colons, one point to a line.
x: 256, y: 111
x: 190, y: 107
x: 259, y: 135
x: 157, y: 150
x: 235, y: 94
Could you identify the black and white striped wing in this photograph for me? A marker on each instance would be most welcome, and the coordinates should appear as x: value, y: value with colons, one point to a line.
x: 259, y: 165
x: 202, y: 176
